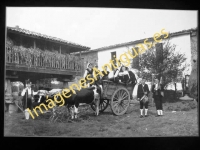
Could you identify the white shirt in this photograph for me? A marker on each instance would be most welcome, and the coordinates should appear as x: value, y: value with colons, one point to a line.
x: 29, y: 92
x: 116, y: 73
x: 124, y: 73
x: 156, y: 86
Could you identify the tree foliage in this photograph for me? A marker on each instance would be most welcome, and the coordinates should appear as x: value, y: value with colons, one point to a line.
x: 172, y: 67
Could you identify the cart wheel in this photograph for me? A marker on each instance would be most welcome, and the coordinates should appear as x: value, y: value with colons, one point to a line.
x: 102, y: 106
x: 120, y: 101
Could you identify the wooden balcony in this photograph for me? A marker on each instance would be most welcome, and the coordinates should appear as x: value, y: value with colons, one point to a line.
x: 38, y: 61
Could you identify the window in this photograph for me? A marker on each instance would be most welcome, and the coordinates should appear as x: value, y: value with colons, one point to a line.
x: 113, y: 56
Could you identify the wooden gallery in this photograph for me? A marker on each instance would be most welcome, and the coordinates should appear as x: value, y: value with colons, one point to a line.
x: 48, y: 62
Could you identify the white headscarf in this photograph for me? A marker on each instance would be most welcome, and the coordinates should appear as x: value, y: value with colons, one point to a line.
x: 88, y: 64
x: 139, y: 80
x: 85, y: 74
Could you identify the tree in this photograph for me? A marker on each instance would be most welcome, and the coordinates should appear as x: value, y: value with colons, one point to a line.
x: 171, y: 68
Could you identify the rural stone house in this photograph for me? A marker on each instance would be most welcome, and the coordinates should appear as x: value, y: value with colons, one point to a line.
x: 42, y: 59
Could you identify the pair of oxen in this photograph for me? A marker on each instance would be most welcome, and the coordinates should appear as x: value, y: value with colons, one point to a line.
x: 90, y: 95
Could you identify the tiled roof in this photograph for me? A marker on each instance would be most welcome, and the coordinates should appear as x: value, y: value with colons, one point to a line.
x: 141, y: 41
x: 27, y: 32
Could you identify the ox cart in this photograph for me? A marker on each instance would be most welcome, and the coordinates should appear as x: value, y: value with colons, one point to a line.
x: 117, y: 95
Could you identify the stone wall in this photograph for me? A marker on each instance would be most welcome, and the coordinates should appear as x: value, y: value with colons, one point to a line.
x: 91, y: 57
x: 194, y: 62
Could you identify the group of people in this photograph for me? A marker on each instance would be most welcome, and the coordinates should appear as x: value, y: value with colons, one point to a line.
x: 121, y: 74
x: 158, y: 93
x: 124, y: 75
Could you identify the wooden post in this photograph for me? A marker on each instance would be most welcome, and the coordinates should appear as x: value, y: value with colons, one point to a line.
x: 65, y: 84
x: 80, y: 53
x: 81, y: 63
x: 20, y: 40
x: 34, y: 44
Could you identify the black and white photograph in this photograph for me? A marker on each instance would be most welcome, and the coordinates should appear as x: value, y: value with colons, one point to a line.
x: 100, y: 72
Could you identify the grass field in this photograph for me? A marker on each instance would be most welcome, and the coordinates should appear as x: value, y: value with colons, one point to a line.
x: 182, y: 122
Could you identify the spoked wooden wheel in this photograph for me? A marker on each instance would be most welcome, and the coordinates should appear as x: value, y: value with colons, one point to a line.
x: 120, y: 101
x: 102, y: 106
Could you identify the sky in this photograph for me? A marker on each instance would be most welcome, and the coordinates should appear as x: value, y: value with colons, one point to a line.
x: 99, y: 27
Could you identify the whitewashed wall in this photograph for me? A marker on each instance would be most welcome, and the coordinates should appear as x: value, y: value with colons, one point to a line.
x: 182, y: 43
x: 105, y: 55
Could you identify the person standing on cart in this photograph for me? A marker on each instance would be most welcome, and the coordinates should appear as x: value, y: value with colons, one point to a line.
x: 88, y: 71
x: 143, y: 90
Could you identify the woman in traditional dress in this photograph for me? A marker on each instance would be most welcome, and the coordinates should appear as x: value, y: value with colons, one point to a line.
x: 134, y: 95
x: 89, y: 73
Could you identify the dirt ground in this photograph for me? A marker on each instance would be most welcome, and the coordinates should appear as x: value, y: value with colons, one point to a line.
x: 179, y: 123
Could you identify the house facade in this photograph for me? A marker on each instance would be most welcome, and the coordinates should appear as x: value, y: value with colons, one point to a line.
x: 101, y: 56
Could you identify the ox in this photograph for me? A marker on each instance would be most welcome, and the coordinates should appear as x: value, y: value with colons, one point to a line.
x: 40, y: 97
x: 84, y: 96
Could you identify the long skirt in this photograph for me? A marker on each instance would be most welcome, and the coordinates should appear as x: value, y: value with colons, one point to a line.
x: 134, y: 95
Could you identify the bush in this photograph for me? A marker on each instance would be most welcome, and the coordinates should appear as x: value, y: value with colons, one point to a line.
x: 170, y: 108
x: 169, y: 96
x: 192, y: 105
x: 181, y: 106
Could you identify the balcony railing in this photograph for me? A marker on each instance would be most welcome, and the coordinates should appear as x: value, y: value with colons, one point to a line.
x: 31, y: 57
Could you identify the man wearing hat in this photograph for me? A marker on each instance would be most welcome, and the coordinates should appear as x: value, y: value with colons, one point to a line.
x: 143, y: 90
x: 27, y: 94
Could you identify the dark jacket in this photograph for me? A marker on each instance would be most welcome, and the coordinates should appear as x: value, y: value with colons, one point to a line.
x: 140, y: 92
x: 132, y: 77
x: 89, y: 72
x: 105, y: 77
x: 158, y: 92
x: 124, y: 78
